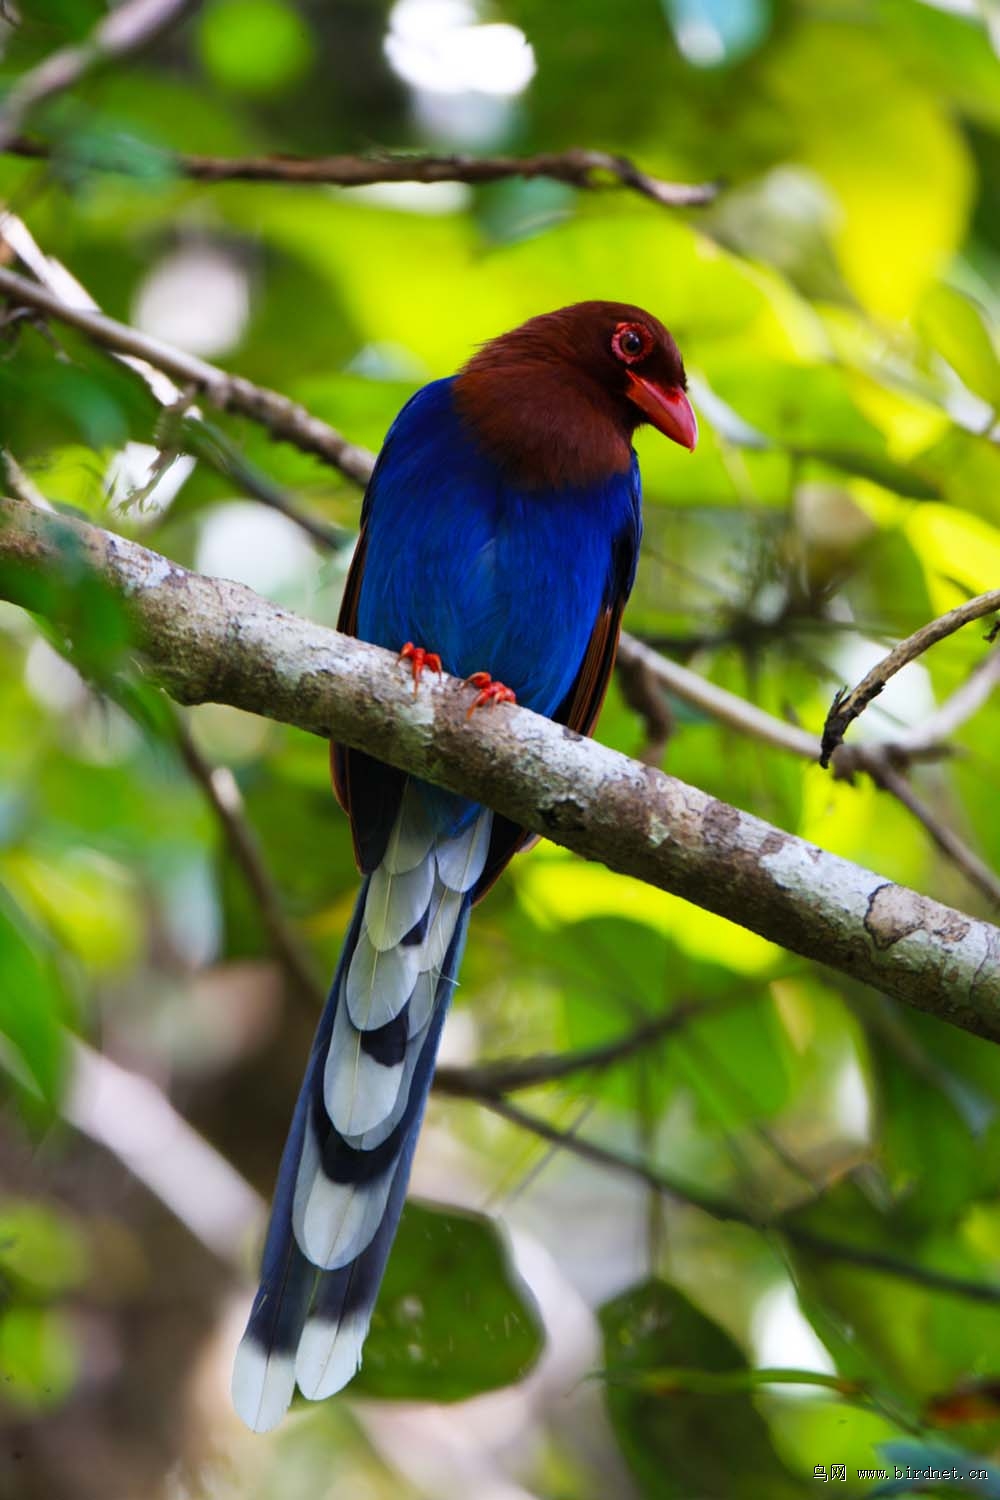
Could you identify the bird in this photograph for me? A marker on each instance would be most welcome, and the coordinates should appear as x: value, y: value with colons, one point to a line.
x: 499, y: 540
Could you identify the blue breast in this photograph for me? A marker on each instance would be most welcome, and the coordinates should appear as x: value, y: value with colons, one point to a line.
x: 493, y: 577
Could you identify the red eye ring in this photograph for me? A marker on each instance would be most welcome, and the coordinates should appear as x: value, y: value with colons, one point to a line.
x: 631, y: 342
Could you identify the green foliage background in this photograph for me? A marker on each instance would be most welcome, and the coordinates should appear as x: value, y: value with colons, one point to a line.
x: 837, y: 307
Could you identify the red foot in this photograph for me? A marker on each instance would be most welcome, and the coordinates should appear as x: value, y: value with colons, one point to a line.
x: 419, y: 659
x: 489, y: 692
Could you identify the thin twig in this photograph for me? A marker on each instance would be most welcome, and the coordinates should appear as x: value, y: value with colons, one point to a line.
x: 20, y: 484
x: 16, y: 239
x: 848, y: 705
x: 507, y: 1075
x: 668, y: 1380
x: 223, y: 794
x: 973, y: 868
x: 727, y: 1212
x: 722, y: 705
x: 204, y: 440
x: 125, y: 29
x: 954, y: 711
x: 923, y: 742
x: 577, y: 167
x: 643, y: 692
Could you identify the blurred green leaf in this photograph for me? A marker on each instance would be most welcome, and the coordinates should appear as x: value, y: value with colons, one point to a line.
x: 890, y: 239
x: 256, y: 47
x: 38, y: 1358
x: 41, y: 1252
x: 453, y: 1318
x: 679, y: 1444
x: 958, y: 329
x: 33, y: 1002
x: 903, y: 479
x: 935, y: 1338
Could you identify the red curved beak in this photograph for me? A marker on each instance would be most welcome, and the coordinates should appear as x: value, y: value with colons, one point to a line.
x: 667, y: 407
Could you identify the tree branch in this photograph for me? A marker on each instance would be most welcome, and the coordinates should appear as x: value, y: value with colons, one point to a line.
x: 283, y: 418
x: 975, y: 870
x: 577, y: 167
x: 203, y: 440
x: 923, y: 742
x: 181, y: 426
x: 210, y: 640
x: 20, y: 484
x: 722, y: 705
x: 223, y: 796
x: 728, y: 1212
x: 847, y: 706
x: 642, y: 689
x: 125, y: 29
x: 963, y: 703
x: 131, y: 1117
x: 509, y: 1074
x: 668, y: 1380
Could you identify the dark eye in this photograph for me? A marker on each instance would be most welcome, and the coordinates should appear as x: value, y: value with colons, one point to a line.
x: 630, y: 342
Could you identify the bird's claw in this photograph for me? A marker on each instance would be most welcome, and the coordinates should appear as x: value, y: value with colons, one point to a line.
x: 419, y: 659
x: 489, y: 692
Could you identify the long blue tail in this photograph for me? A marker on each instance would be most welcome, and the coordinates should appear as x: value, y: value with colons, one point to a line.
x: 346, y: 1163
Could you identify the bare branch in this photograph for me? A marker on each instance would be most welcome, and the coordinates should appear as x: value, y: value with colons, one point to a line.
x: 134, y: 1119
x: 507, y: 1075
x: 926, y: 741
x: 203, y: 440
x: 643, y: 692
x: 847, y: 706
x: 223, y: 795
x: 975, y: 870
x: 123, y: 30
x: 722, y: 705
x: 181, y: 426
x: 663, y: 1380
x: 20, y: 484
x: 963, y: 703
x: 208, y: 640
x: 577, y: 167
x: 733, y: 1213
x: 283, y: 418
